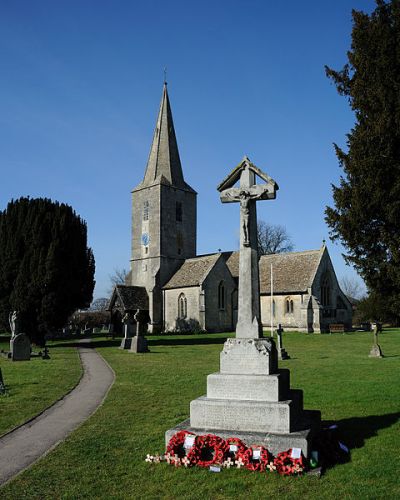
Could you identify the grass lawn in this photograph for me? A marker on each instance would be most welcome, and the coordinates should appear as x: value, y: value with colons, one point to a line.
x: 33, y: 385
x: 104, y: 458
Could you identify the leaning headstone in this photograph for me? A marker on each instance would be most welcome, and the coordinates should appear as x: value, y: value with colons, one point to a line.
x: 376, y: 351
x: 250, y: 398
x: 20, y: 347
x: 282, y: 354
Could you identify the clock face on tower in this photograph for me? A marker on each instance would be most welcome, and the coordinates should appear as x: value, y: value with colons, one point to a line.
x: 145, y: 239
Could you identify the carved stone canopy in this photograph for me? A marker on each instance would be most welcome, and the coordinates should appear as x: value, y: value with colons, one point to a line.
x: 236, y: 173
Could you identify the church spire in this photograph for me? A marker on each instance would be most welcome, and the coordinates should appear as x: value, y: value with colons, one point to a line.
x: 164, y: 164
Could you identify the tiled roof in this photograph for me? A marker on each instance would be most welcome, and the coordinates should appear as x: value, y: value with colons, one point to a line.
x: 132, y: 297
x: 193, y: 271
x: 292, y: 272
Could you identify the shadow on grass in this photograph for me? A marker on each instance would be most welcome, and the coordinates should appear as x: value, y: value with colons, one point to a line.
x: 186, y: 341
x: 88, y: 343
x: 355, y: 431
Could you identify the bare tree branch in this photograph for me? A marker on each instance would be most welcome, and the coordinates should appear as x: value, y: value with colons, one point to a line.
x: 273, y: 238
x: 352, y: 288
x: 117, y: 278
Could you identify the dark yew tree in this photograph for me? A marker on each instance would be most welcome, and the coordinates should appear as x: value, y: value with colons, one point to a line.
x: 366, y: 215
x: 46, y: 268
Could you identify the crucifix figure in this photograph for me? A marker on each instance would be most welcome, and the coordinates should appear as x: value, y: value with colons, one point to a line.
x: 247, y: 194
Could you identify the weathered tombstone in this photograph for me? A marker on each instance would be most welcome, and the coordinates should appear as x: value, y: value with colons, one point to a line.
x: 129, y: 330
x: 376, y: 351
x: 20, y: 347
x: 139, y: 343
x: 250, y: 398
x: 282, y: 354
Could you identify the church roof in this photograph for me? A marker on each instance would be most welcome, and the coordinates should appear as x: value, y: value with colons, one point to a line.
x: 130, y: 297
x: 193, y: 271
x: 292, y: 271
x: 164, y: 164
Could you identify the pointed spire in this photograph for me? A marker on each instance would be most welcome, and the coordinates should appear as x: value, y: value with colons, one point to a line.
x: 164, y: 164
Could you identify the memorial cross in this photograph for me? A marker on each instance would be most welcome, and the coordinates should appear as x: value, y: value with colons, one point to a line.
x: 247, y: 194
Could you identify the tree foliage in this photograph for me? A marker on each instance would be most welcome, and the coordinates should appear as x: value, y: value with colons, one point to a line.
x: 272, y: 239
x: 366, y: 212
x: 46, y: 268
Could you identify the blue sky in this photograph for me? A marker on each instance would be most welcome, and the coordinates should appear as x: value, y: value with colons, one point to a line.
x: 80, y: 87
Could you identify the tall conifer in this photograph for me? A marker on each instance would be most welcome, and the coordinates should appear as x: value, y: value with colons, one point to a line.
x: 366, y: 212
x: 46, y: 268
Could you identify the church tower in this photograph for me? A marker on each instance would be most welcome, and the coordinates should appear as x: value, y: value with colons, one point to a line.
x: 163, y: 216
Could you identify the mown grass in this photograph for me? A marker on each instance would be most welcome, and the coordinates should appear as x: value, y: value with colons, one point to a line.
x: 33, y: 385
x: 104, y: 458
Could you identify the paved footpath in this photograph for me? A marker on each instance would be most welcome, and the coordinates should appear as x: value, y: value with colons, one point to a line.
x: 22, y: 447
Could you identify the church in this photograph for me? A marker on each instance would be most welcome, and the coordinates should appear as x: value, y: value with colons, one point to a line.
x: 170, y: 288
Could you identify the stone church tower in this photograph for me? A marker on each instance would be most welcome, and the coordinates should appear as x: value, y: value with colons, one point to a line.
x: 163, y: 216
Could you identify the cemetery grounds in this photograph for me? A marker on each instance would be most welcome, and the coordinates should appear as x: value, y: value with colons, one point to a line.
x: 104, y: 458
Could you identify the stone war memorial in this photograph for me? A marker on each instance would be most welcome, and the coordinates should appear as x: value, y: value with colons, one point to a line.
x: 250, y: 397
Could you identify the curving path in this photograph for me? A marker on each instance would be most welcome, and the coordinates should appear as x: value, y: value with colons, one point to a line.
x: 22, y: 447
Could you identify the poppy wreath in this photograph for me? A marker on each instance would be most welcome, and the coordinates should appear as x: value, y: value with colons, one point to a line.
x: 255, y: 464
x: 288, y: 466
x: 241, y: 447
x: 176, y: 444
x: 208, y: 450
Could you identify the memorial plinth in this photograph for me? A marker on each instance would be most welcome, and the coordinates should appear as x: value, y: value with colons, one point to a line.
x: 250, y: 397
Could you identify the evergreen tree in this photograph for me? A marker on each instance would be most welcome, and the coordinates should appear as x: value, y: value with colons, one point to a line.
x: 366, y: 215
x: 46, y: 268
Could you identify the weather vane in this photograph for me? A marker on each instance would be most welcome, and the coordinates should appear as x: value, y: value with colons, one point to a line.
x: 165, y: 75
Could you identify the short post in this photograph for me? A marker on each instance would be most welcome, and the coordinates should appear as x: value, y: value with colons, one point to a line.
x: 45, y: 354
x: 2, y: 384
x: 282, y: 354
x: 376, y: 351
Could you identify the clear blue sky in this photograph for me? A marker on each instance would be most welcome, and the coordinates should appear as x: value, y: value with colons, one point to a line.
x: 81, y: 83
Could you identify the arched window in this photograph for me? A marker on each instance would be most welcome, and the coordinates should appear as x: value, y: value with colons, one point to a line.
x: 289, y: 306
x: 221, y: 295
x: 182, y: 306
x: 273, y: 309
x: 325, y: 291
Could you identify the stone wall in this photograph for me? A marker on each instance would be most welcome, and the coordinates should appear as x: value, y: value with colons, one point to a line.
x: 218, y: 319
x: 339, y: 309
x: 171, y: 309
x: 289, y: 320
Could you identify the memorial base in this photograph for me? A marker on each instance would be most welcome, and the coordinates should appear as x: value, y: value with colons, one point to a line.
x: 275, y: 442
x: 126, y: 343
x: 139, y: 344
x: 376, y: 351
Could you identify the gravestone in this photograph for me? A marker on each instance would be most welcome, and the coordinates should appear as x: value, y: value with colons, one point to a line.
x: 139, y: 343
x: 250, y: 397
x: 20, y: 347
x: 282, y: 354
x: 376, y: 351
x: 129, y: 330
